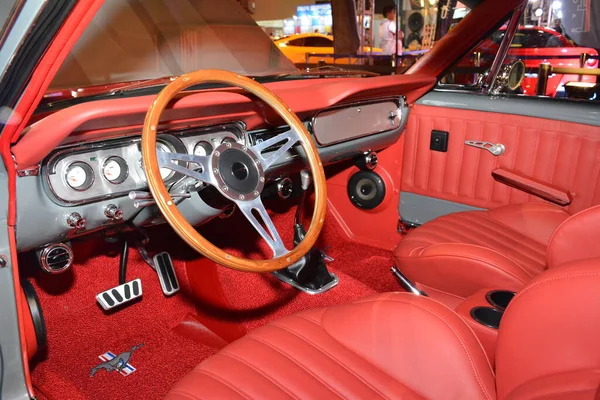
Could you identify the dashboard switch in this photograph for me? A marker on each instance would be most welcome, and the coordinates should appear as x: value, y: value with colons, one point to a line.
x: 75, y: 220
x: 113, y: 212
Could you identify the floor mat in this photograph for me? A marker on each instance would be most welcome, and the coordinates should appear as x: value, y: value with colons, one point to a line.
x: 79, y: 331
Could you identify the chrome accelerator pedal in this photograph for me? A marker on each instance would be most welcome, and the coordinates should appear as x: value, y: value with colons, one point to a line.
x: 166, y: 273
x: 121, y: 294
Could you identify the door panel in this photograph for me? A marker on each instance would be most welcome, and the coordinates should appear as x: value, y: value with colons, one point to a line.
x: 561, y: 154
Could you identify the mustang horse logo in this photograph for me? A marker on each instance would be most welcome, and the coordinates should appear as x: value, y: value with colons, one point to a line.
x: 119, y: 362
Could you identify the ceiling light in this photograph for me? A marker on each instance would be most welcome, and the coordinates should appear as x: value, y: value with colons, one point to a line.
x: 538, y: 12
x: 556, y: 5
x: 559, y: 14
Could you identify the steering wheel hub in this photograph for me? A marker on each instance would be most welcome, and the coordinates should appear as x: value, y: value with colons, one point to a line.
x: 237, y: 172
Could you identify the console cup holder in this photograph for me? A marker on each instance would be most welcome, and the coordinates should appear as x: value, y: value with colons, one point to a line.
x: 487, y: 316
x: 499, y: 298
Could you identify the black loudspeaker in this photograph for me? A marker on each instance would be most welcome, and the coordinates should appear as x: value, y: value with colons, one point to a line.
x: 366, y: 190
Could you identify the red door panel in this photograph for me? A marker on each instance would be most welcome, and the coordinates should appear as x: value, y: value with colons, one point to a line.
x: 563, y: 155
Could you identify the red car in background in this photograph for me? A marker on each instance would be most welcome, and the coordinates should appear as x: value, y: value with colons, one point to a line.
x: 535, y: 45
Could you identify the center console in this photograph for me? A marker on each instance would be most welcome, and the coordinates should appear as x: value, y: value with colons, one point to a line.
x: 483, y: 312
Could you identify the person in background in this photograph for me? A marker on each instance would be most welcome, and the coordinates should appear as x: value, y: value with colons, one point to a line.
x: 557, y: 26
x: 388, y: 33
x: 368, y: 37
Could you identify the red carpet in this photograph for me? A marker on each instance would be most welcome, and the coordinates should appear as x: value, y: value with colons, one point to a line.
x: 79, y: 330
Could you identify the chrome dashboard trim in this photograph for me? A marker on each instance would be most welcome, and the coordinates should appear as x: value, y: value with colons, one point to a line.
x: 135, y: 179
x: 396, y: 119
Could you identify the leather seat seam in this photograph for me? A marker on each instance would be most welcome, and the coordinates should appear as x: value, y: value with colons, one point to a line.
x: 492, y: 265
x: 477, y: 230
x: 476, y: 242
x: 547, y: 280
x: 257, y: 370
x: 298, y: 364
x: 465, y: 348
x: 314, y: 345
x: 371, y: 386
x: 223, y: 381
x: 186, y: 394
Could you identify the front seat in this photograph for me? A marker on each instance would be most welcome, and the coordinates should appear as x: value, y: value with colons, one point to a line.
x: 402, y: 346
x: 458, y: 254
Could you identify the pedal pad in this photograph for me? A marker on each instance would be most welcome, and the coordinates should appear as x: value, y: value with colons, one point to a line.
x: 166, y: 273
x: 121, y: 294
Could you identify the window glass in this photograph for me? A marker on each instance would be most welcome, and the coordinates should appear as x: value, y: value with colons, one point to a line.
x: 296, y: 42
x: 317, y: 41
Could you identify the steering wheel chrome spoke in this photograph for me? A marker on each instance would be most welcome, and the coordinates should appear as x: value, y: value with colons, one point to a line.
x: 272, y: 236
x: 291, y: 137
x: 165, y: 160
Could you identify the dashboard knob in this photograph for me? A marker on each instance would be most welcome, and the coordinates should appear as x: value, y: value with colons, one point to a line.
x: 285, y: 188
x: 113, y: 212
x: 75, y: 220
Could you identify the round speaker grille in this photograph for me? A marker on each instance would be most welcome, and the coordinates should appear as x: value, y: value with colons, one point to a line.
x: 366, y: 190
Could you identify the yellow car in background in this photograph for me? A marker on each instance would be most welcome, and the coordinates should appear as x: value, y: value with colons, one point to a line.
x: 296, y: 47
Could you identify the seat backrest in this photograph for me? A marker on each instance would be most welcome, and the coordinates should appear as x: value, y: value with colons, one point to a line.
x: 575, y: 239
x: 549, y: 337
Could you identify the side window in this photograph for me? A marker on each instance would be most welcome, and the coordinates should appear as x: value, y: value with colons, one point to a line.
x: 318, y: 42
x: 469, y: 71
x: 296, y: 42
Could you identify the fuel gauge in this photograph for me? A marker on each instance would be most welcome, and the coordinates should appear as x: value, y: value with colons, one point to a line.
x: 79, y: 176
x: 115, y: 170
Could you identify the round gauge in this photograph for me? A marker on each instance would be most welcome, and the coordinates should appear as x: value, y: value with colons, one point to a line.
x: 228, y: 140
x: 202, y: 148
x: 79, y: 176
x: 165, y: 173
x: 115, y: 170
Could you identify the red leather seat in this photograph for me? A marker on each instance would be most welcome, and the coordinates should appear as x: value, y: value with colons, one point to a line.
x: 458, y: 254
x: 402, y: 346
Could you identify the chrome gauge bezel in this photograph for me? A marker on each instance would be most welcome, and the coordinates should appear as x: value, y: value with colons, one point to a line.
x: 98, y: 153
x: 89, y: 175
x: 124, y: 169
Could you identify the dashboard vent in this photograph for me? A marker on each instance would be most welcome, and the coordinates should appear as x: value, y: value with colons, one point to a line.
x: 56, y: 258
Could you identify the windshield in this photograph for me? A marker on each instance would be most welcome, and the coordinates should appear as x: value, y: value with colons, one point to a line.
x: 137, y: 43
x: 135, y: 40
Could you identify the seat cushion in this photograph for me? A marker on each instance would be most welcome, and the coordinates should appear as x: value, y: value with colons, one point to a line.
x: 463, y: 252
x: 393, y: 345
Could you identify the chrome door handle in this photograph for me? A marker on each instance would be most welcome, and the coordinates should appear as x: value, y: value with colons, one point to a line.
x: 496, y: 149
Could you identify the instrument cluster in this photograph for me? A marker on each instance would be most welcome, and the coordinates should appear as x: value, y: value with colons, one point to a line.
x: 85, y: 173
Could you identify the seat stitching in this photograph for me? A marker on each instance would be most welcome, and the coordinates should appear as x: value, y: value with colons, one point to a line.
x: 326, y: 353
x: 186, y: 394
x: 477, y: 241
x: 491, y: 264
x: 298, y: 364
x: 465, y: 348
x: 223, y: 381
x: 255, y: 368
x: 556, y: 278
x: 372, y: 387
x: 507, y: 238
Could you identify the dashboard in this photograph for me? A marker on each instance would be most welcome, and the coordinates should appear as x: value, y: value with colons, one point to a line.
x: 98, y: 183
x: 86, y: 173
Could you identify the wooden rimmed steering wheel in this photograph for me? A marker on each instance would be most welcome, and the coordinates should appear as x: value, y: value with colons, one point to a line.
x: 236, y: 171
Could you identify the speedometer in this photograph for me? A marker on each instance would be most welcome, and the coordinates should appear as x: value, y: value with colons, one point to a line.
x: 165, y: 173
x: 115, y: 170
x: 79, y: 176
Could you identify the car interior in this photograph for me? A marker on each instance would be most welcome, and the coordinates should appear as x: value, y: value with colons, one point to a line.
x: 216, y: 235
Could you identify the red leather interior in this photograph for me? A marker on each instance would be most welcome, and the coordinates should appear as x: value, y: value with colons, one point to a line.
x: 548, y: 338
x: 398, y: 345
x: 487, y: 336
x: 419, y: 349
x: 556, y: 153
x: 532, y: 186
x: 576, y: 238
x: 463, y: 252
